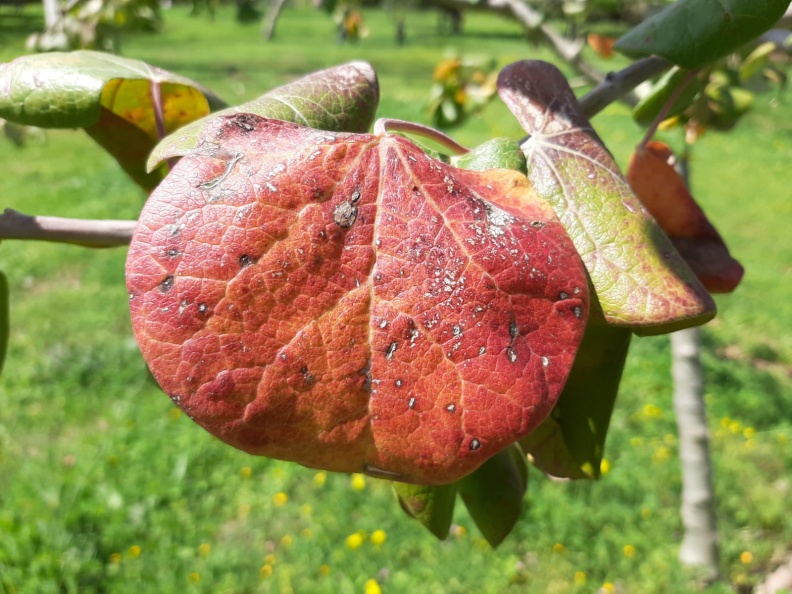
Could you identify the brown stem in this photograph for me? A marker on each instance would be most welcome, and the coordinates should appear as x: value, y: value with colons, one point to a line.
x: 385, y: 125
x: 87, y: 233
x: 159, y: 116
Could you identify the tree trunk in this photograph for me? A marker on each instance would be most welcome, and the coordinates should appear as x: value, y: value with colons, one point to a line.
x: 700, y: 543
x: 52, y: 14
x: 275, y: 9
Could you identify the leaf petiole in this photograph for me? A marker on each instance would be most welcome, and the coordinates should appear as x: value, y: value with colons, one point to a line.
x: 385, y: 125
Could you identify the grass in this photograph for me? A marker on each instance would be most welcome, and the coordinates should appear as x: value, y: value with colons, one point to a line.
x: 105, y: 487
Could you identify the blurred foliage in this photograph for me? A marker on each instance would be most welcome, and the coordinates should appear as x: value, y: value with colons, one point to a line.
x: 95, y: 24
x: 461, y: 88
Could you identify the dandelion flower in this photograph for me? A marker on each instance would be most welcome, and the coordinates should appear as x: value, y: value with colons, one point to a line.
x: 372, y: 587
x: 265, y: 571
x: 605, y: 466
x: 280, y: 499
x: 378, y: 537
x: 353, y: 541
x: 246, y: 472
x: 204, y: 549
x: 115, y: 558
x: 286, y: 541
x: 746, y: 557
x: 324, y: 570
x: 629, y: 551
x: 134, y: 551
x: 194, y: 578
x: 607, y: 588
x: 358, y: 482
x: 320, y: 478
x: 559, y: 548
x: 580, y: 578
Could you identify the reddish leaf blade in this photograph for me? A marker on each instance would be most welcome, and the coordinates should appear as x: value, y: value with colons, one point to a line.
x: 667, y: 198
x: 640, y: 279
x: 347, y: 302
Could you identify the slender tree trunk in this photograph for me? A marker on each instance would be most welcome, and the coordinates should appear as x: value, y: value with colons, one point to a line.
x: 271, y: 19
x: 52, y: 13
x: 700, y: 542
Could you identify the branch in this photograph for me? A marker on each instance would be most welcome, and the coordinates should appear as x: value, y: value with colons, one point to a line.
x: 618, y: 84
x: 87, y: 233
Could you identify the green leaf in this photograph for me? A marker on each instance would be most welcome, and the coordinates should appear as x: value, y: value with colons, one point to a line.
x: 649, y: 107
x: 4, y: 318
x: 339, y: 99
x: 431, y: 506
x: 756, y: 61
x: 494, y: 493
x: 694, y: 33
x: 493, y: 154
x: 112, y: 97
x: 571, y: 441
x: 640, y: 279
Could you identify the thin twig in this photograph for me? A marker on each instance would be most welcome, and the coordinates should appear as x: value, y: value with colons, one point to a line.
x: 84, y: 232
x: 667, y: 107
x: 384, y: 125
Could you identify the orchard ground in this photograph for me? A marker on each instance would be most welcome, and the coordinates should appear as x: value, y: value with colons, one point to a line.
x: 105, y: 487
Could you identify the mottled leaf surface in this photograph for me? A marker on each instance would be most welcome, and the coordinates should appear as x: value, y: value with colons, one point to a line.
x: 110, y: 96
x: 571, y: 441
x: 432, y: 506
x: 4, y: 318
x: 338, y: 99
x: 694, y: 33
x: 667, y: 198
x: 347, y: 302
x: 640, y: 279
x: 494, y: 493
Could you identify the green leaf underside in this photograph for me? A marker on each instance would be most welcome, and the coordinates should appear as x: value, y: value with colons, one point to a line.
x: 339, y: 99
x: 640, y: 279
x: 497, y: 153
x: 4, y: 318
x: 494, y: 493
x: 65, y: 89
x: 694, y: 33
x: 431, y: 506
x: 650, y: 106
x: 570, y: 443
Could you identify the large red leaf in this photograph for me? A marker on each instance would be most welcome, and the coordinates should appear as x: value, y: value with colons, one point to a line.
x: 347, y: 302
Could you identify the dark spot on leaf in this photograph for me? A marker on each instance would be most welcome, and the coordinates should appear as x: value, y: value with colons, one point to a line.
x: 167, y: 284
x: 245, y: 122
x: 202, y: 308
x: 563, y: 296
x: 245, y: 260
x: 399, y: 383
x: 366, y: 373
x: 513, y: 330
x: 355, y: 197
x: 511, y: 354
x: 451, y: 407
x: 344, y: 214
x: 173, y: 253
x: 474, y: 444
x: 411, y: 402
x: 391, y: 349
x: 578, y: 312
x: 537, y: 224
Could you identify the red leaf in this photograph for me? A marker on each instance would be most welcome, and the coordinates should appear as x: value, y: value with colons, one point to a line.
x: 347, y: 302
x: 666, y: 196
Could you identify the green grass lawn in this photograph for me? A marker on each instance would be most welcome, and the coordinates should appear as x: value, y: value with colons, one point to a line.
x: 106, y: 488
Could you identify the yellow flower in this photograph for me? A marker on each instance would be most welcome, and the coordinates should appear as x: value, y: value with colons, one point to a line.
x: 358, y: 482
x: 307, y: 532
x: 636, y: 442
x: 204, y: 549
x: 446, y: 69
x: 246, y: 472
x: 320, y: 478
x: 651, y: 411
x: 306, y: 510
x: 605, y: 466
x: 115, y: 558
x: 607, y: 588
x: 286, y: 541
x: 134, y: 551
x: 270, y: 559
x: 580, y: 578
x: 750, y: 444
x: 669, y: 439
x: 459, y: 531
x: 265, y: 571
x: 735, y: 427
x: 725, y: 422
x: 324, y: 570
x: 372, y: 587
x: 378, y: 537
x: 174, y: 413
x: 782, y: 438
x: 629, y: 551
x: 746, y: 557
x: 661, y: 454
x: 194, y: 578
x: 559, y: 548
x: 646, y: 513
x: 280, y: 499
x: 353, y: 541
x: 749, y: 432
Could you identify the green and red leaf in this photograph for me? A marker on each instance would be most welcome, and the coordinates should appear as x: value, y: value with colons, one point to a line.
x: 347, y: 302
x: 640, y: 279
x: 432, y: 506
